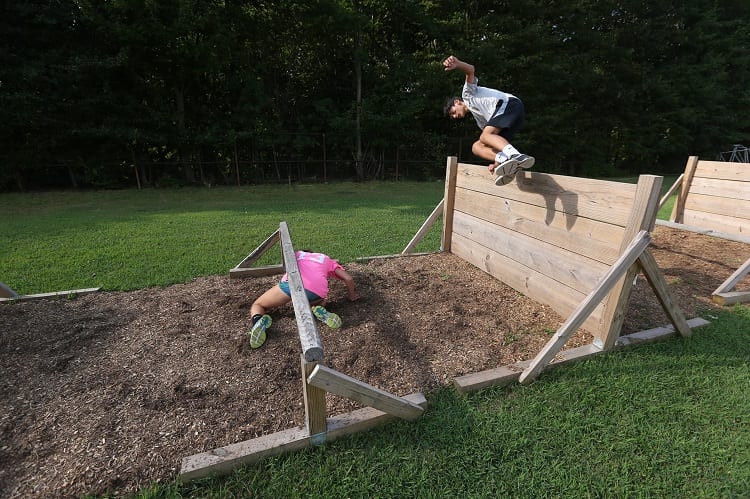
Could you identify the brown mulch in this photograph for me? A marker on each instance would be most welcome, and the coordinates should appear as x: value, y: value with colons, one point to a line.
x: 109, y: 391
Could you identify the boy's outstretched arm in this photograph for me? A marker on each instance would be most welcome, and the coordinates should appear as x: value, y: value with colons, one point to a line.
x: 452, y: 63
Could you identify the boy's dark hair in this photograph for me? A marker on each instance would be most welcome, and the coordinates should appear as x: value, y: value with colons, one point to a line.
x: 449, y: 104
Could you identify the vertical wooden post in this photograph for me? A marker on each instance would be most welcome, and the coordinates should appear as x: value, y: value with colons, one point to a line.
x: 679, y: 205
x: 449, y: 199
x: 642, y: 217
x: 315, y: 406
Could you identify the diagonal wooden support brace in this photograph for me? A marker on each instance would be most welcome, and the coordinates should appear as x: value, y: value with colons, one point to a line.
x: 333, y: 381
x: 579, y: 316
x: 244, y: 268
x: 425, y: 227
x: 659, y: 285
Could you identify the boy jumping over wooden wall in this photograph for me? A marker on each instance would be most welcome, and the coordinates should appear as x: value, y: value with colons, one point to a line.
x: 499, y: 114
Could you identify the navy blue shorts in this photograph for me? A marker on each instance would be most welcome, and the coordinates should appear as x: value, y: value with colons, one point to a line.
x: 510, y: 121
x: 311, y: 297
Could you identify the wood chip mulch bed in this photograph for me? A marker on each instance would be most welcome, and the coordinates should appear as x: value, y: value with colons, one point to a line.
x: 109, y: 391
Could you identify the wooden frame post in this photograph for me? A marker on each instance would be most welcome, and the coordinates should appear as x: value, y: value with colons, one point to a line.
x: 642, y: 217
x: 449, y: 202
x: 677, y: 184
x: 6, y: 291
x: 577, y: 318
x: 315, y: 406
x: 687, y: 180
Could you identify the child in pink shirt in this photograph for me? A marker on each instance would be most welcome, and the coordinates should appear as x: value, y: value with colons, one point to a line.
x: 315, y: 270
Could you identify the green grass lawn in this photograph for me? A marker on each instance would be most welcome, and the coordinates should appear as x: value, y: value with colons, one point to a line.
x: 124, y: 240
x: 663, y: 420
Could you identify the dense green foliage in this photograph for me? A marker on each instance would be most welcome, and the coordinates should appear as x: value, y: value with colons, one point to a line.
x: 185, y: 91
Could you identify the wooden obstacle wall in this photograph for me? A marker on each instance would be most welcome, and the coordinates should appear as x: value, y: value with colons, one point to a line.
x: 550, y: 237
x: 714, y: 195
x: 714, y: 199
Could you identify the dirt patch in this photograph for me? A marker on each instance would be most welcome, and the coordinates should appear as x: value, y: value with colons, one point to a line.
x: 109, y: 391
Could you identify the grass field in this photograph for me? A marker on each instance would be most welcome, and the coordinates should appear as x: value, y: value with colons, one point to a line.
x: 124, y: 240
x: 662, y: 420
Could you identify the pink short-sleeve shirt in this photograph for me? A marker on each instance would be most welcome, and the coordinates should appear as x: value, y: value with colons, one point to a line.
x: 315, y: 269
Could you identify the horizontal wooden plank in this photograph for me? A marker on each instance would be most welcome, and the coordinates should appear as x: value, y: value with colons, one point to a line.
x: 312, y: 347
x: 731, y: 297
x: 718, y: 223
x: 719, y: 205
x: 657, y: 333
x: 607, y: 201
x: 720, y: 188
x: 726, y: 170
x: 529, y: 282
x: 568, y: 268
x: 365, y: 259
x: 499, y: 376
x: 591, y: 238
x: 54, y: 294
x: 256, y: 271
x: 225, y: 459
x: 701, y: 230
x: 505, y: 375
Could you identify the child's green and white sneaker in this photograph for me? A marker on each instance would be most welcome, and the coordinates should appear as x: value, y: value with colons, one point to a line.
x: 258, y: 331
x: 328, y: 318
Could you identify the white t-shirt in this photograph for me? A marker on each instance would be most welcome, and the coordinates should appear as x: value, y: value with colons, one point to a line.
x: 482, y: 101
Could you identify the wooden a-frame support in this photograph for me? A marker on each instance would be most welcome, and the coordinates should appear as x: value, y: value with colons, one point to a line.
x: 317, y: 380
x: 724, y: 294
x: 636, y: 254
x: 635, y: 257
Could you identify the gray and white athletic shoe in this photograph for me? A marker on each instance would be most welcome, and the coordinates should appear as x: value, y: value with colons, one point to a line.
x: 505, y: 171
x: 524, y: 161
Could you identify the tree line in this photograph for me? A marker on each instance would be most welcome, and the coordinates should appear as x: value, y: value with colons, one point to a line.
x: 176, y: 92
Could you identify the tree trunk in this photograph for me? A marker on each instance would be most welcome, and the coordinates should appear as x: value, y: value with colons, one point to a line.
x: 186, y: 166
x: 358, y: 160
